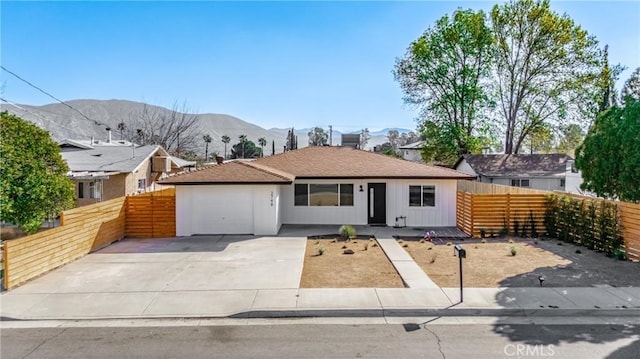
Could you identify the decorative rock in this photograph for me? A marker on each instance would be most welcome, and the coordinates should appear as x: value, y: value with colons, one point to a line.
x: 348, y: 251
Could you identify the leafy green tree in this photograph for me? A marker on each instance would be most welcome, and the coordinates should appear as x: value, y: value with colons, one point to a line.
x: 393, y: 137
x: 631, y: 87
x: 317, y: 137
x: 546, y: 69
x: 225, y: 139
x: 442, y: 74
x: 243, y: 141
x: 33, y: 175
x: 541, y: 139
x: 262, y: 142
x: 572, y: 137
x: 207, y: 140
x: 245, y: 149
x: 609, y: 156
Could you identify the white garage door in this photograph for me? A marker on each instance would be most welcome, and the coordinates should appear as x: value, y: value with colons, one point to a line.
x: 222, y: 210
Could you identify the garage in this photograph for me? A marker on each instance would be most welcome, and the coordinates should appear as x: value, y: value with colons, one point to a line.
x: 221, y: 209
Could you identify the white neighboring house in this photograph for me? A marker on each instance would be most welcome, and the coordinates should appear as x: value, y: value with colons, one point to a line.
x: 411, y: 151
x: 313, y: 185
x: 551, y: 172
x: 103, y: 170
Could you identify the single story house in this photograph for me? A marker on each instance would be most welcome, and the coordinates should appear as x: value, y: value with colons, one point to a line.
x: 103, y: 170
x: 313, y: 185
x: 549, y: 172
x: 412, y: 151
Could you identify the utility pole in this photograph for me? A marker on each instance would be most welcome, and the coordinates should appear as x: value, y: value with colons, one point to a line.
x: 330, y: 135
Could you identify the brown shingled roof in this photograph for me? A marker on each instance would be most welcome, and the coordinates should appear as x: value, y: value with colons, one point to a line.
x: 314, y: 162
x: 228, y: 173
x: 517, y: 165
x: 347, y: 162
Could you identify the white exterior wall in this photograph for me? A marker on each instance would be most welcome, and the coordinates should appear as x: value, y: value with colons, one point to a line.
x: 356, y: 214
x: 397, y: 204
x: 442, y: 215
x: 240, y: 209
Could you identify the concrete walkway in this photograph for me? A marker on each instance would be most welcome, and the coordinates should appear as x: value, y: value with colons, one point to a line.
x: 242, y: 276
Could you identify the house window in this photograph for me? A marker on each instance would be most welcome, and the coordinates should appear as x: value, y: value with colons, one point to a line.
x: 301, y: 195
x: 142, y: 185
x: 323, y: 194
x: 92, y: 190
x: 422, y: 196
x: 80, y: 189
x: 520, y: 182
x: 562, y: 182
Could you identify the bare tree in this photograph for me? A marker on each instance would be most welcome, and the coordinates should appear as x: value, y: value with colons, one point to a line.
x: 364, y: 137
x: 175, y: 129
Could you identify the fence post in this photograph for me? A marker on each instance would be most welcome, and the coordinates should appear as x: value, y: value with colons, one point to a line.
x: 471, y: 214
x: 509, y: 214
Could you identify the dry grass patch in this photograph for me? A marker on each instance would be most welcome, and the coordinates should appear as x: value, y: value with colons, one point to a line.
x: 486, y: 265
x: 367, y: 267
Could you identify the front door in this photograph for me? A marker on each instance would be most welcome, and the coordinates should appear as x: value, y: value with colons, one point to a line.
x: 377, y: 203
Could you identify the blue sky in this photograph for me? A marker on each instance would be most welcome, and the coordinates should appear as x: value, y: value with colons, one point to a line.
x: 275, y: 64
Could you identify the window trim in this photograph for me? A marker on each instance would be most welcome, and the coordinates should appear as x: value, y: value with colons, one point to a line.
x: 339, y: 194
x: 519, y: 182
x: 422, y: 193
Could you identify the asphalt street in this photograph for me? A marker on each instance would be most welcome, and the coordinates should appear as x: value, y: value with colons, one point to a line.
x: 409, y: 340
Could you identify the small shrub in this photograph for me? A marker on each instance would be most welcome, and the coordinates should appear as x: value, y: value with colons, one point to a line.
x: 620, y: 254
x: 320, y: 250
x: 516, y: 227
x: 483, y: 241
x: 449, y: 244
x: 344, y: 247
x: 334, y: 241
x: 483, y: 233
x: 510, y: 240
x: 476, y: 246
x: 433, y: 259
x: 505, y: 227
x: 422, y: 241
x: 347, y: 232
x: 578, y: 251
x: 374, y: 245
x: 430, y: 248
x: 514, y: 251
x: 400, y: 241
x: 366, y: 246
x: 406, y: 245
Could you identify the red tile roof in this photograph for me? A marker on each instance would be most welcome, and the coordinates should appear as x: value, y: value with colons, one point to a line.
x: 315, y: 163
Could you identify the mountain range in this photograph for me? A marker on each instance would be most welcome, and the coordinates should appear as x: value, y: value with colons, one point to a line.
x: 85, y: 119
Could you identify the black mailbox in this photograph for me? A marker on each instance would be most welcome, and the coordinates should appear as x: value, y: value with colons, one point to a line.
x: 462, y: 253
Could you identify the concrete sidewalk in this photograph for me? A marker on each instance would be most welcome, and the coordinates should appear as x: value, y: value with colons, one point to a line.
x: 258, y: 277
x: 353, y: 302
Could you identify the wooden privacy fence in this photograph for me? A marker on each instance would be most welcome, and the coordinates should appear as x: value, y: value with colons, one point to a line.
x: 152, y: 215
x: 86, y: 229
x: 491, y: 207
x: 81, y: 231
x: 497, y: 213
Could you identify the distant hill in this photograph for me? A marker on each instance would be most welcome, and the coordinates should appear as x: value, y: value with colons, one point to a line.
x: 65, y: 123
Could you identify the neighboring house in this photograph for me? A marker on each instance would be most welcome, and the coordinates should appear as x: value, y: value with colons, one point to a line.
x: 313, y: 185
x: 103, y: 170
x: 411, y: 151
x: 549, y: 172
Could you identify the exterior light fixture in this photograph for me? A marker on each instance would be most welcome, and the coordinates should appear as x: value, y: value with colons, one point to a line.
x: 361, y: 189
x: 541, y: 279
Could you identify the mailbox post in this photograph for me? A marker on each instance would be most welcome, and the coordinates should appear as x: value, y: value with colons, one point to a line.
x: 462, y: 253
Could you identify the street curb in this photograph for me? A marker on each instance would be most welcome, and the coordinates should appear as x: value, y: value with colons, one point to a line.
x: 447, y: 312
x: 376, y: 313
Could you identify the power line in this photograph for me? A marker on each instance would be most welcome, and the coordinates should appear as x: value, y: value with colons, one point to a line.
x: 53, y: 97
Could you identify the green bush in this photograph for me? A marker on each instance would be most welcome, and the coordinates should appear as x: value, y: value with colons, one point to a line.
x: 347, y: 232
x: 514, y: 251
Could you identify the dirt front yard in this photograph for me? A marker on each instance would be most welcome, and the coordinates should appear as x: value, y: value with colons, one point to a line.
x: 367, y: 267
x: 486, y: 264
x: 491, y: 264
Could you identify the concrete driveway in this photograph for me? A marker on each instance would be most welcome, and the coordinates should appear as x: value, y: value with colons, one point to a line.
x: 151, y: 277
